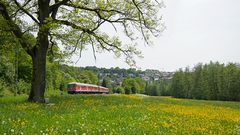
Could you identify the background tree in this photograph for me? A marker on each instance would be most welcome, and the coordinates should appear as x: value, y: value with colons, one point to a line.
x: 211, y: 81
x: 106, y: 82
x: 87, y: 77
x: 119, y: 90
x: 233, y: 82
x: 141, y: 83
x: 132, y: 85
x: 153, y: 89
x: 75, y: 24
x: 177, y: 86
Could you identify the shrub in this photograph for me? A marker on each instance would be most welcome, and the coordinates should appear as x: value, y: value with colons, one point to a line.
x: 120, y: 90
x: 22, y: 87
x: 2, y: 87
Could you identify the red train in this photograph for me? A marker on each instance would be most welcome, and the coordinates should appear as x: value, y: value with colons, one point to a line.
x: 75, y: 87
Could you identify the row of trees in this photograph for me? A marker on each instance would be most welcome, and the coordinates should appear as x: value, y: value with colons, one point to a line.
x: 212, y: 81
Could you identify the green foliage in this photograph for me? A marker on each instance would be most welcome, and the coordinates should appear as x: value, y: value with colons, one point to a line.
x: 128, y: 90
x: 212, y: 81
x: 133, y: 85
x: 141, y: 83
x: 16, y: 74
x: 119, y: 90
x: 177, y: 86
x: 3, y: 87
x: 88, y: 77
x: 22, y: 87
x: 106, y: 82
x: 153, y: 89
x: 158, y: 88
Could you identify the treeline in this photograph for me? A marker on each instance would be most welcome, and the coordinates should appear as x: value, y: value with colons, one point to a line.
x: 211, y: 81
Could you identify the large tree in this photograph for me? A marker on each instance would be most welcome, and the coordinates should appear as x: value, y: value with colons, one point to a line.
x: 74, y: 24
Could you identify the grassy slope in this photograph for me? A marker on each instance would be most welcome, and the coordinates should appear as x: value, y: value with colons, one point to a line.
x: 118, y: 114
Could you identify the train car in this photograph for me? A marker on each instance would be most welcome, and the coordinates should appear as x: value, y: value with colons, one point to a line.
x: 75, y: 87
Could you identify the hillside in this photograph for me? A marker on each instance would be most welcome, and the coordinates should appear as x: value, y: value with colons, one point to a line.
x: 118, y: 114
x: 117, y: 74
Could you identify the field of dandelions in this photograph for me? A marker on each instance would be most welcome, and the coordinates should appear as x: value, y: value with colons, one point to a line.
x: 117, y: 114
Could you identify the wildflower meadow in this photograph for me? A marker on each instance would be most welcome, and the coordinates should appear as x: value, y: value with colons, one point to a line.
x: 118, y: 114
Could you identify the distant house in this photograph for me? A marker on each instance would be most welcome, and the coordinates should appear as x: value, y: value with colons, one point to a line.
x: 146, y: 78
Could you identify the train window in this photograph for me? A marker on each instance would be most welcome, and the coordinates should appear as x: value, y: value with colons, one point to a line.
x: 71, y: 85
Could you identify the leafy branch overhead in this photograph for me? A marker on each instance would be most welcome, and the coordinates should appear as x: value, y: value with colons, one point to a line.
x: 78, y: 23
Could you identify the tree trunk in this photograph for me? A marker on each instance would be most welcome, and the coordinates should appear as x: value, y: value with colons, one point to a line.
x: 39, y: 54
x: 38, y: 75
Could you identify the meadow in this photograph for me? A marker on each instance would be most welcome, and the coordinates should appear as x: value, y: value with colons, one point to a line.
x: 118, y: 114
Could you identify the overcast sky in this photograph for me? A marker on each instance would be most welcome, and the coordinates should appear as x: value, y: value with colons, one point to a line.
x: 198, y: 31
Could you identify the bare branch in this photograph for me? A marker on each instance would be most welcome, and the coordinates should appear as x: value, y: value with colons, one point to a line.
x: 81, y: 48
x: 26, y: 12
x: 58, y: 4
x: 101, y: 41
x: 52, y: 44
x: 14, y: 14
x: 93, y: 49
x: 54, y: 8
x: 141, y: 17
x: 76, y: 45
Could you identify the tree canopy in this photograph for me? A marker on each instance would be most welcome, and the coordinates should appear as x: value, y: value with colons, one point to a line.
x: 75, y: 24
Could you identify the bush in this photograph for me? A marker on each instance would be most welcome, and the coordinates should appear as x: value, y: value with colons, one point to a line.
x: 120, y: 90
x: 4, y: 89
x: 22, y: 87
x: 128, y: 90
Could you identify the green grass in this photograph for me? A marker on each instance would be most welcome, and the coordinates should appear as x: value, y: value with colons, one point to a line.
x: 118, y: 114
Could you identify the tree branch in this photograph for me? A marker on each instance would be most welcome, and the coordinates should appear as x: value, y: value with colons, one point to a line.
x: 52, y: 44
x: 74, y: 26
x: 141, y: 17
x: 54, y: 8
x: 93, y: 49
x: 58, y: 4
x: 94, y: 9
x: 26, y: 12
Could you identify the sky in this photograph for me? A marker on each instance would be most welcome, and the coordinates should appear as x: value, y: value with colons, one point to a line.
x: 198, y: 31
